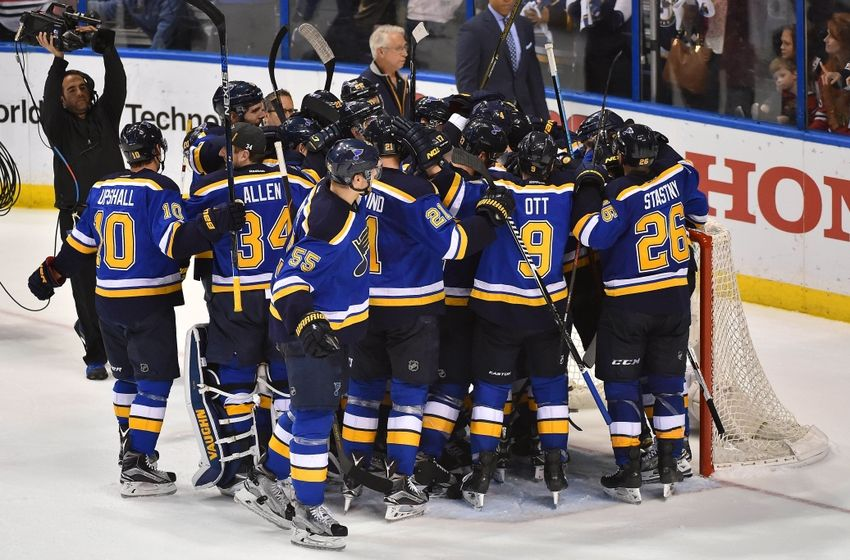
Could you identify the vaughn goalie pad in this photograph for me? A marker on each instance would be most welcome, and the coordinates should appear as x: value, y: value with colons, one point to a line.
x: 222, y: 448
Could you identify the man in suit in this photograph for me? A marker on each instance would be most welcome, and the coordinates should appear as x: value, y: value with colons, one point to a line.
x: 389, y: 53
x: 517, y: 73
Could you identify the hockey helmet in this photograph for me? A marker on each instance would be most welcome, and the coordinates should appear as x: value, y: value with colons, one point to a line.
x: 356, y: 113
x: 432, y: 110
x: 481, y: 135
x: 519, y: 127
x: 350, y: 157
x: 358, y: 89
x: 591, y: 125
x: 139, y: 141
x: 380, y: 132
x: 537, y: 153
x: 321, y: 106
x: 493, y: 110
x: 243, y: 96
x: 297, y: 130
x: 637, y: 145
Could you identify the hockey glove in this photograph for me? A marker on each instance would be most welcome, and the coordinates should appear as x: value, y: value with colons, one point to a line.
x: 496, y: 205
x: 44, y: 279
x: 223, y: 218
x: 316, y: 335
x: 325, y: 138
x: 460, y: 103
x: 428, y: 145
x: 592, y: 176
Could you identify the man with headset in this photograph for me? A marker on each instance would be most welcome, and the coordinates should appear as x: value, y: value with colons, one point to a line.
x: 83, y: 132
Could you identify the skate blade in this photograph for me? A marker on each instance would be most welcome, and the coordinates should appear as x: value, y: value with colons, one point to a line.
x: 146, y: 489
x: 556, y: 496
x: 628, y: 495
x: 399, y: 512
x: 303, y: 537
x: 538, y: 474
x: 249, y: 501
x: 667, y: 490
x: 475, y: 499
x: 499, y: 475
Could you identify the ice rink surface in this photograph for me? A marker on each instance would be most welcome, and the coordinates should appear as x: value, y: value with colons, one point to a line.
x: 59, y: 491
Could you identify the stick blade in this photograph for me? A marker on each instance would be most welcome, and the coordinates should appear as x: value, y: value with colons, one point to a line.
x: 314, y: 37
x: 463, y: 157
x: 420, y: 32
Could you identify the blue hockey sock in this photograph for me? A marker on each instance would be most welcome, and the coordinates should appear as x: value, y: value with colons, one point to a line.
x: 669, y: 418
x: 360, y: 421
x: 624, y: 406
x: 278, y: 455
x: 553, y: 412
x: 147, y: 413
x: 441, y: 412
x: 123, y: 393
x: 309, y: 454
x: 404, y: 425
x: 488, y: 401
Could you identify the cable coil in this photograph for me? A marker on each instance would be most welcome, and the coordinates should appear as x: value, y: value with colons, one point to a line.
x: 10, y: 181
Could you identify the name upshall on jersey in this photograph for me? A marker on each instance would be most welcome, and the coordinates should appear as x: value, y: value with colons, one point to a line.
x: 116, y: 197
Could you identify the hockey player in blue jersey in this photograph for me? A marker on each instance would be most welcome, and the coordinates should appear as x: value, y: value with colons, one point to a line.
x: 320, y: 305
x: 410, y: 234
x: 513, y: 320
x: 134, y: 225
x: 643, y: 328
x: 237, y: 342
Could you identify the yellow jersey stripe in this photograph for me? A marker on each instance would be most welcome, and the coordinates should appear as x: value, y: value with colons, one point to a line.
x: 625, y: 193
x: 650, y: 287
x: 79, y: 247
x: 515, y: 299
x: 407, y: 301
x: 137, y: 292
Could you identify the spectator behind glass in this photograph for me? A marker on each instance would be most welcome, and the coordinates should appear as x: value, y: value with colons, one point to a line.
x: 784, y: 74
x: 168, y: 23
x: 783, y: 42
x: 833, y: 110
x: 608, y: 33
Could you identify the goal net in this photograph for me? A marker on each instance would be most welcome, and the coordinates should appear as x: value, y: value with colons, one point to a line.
x: 758, y: 427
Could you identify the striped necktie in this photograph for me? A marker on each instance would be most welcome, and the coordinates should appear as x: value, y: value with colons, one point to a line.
x: 511, y: 47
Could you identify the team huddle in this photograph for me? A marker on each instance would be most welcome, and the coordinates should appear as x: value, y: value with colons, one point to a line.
x: 381, y: 295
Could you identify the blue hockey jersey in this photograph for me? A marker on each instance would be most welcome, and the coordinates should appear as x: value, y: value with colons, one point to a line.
x: 644, y: 244
x: 130, y: 223
x: 263, y: 240
x: 326, y: 270
x: 505, y: 291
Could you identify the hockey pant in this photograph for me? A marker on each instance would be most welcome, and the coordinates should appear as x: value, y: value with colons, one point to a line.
x: 299, y: 448
x: 404, y: 426
x: 668, y: 418
x: 488, y: 413
x: 140, y: 408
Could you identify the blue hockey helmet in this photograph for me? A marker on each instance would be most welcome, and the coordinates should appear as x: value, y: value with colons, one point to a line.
x: 139, y: 140
x: 243, y: 96
x: 637, y: 144
x: 537, y: 153
x: 297, y: 130
x: 591, y: 125
x: 358, y: 89
x: 351, y: 157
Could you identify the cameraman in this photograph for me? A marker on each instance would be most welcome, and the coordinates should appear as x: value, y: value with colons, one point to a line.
x: 84, y: 130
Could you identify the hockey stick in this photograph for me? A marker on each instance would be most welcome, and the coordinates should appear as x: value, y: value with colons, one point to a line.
x: 322, y: 49
x: 284, y: 178
x: 556, y: 83
x: 217, y: 19
x: 709, y: 400
x: 419, y: 33
x: 278, y: 39
x: 505, y: 32
x: 465, y: 158
x: 357, y: 473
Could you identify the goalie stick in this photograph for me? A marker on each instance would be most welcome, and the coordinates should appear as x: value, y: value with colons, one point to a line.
x: 322, y: 49
x: 505, y: 32
x: 217, y: 18
x: 465, y: 158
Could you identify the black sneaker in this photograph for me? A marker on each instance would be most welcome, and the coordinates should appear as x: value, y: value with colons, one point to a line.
x: 96, y: 372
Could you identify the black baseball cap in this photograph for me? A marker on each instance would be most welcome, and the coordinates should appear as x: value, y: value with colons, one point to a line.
x: 249, y: 137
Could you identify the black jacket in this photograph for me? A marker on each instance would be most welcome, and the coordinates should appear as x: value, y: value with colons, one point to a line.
x: 90, y: 145
x: 476, y: 43
x: 393, y: 96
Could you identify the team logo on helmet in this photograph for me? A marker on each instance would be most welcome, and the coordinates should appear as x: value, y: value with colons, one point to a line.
x: 357, y: 153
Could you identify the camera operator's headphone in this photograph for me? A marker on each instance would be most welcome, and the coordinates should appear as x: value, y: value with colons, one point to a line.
x: 87, y: 79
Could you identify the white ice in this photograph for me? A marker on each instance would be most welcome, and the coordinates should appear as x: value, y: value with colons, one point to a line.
x: 59, y: 492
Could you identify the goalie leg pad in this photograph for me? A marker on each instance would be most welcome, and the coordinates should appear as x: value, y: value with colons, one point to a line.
x: 225, y: 431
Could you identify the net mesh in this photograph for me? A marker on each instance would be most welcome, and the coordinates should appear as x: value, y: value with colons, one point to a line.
x: 759, y: 429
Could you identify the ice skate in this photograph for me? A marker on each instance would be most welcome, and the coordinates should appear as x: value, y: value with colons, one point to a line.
x: 625, y: 484
x: 475, y: 484
x: 438, y: 482
x: 315, y: 527
x: 668, y: 471
x: 683, y: 463
x: 139, y: 477
x: 268, y: 497
x: 503, y: 457
x: 649, y: 464
x: 405, y: 499
x: 553, y: 469
x: 350, y: 491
